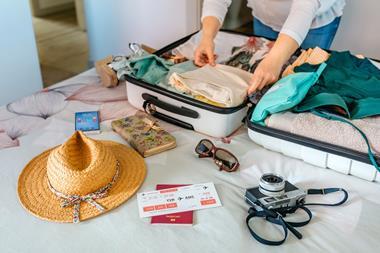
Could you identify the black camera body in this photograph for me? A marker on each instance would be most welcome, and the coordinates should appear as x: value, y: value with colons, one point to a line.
x: 274, y: 192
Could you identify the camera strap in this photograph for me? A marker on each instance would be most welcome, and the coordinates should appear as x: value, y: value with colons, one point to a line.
x: 276, y: 216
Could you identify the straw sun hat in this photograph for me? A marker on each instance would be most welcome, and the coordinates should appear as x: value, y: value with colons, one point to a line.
x: 80, y: 179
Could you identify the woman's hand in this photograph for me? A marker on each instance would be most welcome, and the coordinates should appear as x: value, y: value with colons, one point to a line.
x: 269, y: 69
x: 204, y: 54
x: 266, y: 73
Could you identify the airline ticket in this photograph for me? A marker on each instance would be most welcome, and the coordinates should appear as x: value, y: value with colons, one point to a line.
x: 178, y: 199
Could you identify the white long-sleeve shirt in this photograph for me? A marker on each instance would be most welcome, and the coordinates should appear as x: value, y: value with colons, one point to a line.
x: 291, y: 17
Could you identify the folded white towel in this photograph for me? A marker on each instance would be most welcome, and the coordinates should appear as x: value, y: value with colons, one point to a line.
x: 330, y: 131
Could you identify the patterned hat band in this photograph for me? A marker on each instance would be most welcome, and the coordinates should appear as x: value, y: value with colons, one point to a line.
x: 76, y: 200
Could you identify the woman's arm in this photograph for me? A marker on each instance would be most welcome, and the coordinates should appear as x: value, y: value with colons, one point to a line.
x: 268, y: 71
x: 293, y: 32
x: 204, y: 54
x: 213, y: 15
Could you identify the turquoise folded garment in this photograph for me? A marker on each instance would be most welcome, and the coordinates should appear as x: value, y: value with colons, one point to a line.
x: 149, y: 68
x: 285, y: 94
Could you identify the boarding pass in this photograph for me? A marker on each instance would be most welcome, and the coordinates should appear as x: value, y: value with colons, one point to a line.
x: 178, y: 199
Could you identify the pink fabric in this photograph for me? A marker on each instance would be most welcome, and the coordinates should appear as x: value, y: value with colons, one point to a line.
x: 20, y: 125
x: 94, y: 93
x: 6, y: 141
x: 116, y: 110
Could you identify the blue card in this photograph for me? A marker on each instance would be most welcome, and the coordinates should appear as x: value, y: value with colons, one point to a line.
x: 87, y: 121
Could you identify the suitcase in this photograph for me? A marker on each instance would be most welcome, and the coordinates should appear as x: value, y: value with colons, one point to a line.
x: 322, y: 154
x: 182, y: 110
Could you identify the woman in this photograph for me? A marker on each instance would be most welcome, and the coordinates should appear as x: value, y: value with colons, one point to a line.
x: 292, y: 23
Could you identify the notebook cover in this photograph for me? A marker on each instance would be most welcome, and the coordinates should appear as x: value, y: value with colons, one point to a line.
x: 147, y: 142
x: 183, y: 218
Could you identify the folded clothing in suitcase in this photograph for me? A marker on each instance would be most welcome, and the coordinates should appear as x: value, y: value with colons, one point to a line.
x: 316, y: 139
x: 214, y: 119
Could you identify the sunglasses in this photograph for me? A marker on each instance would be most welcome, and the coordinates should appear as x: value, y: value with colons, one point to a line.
x: 224, y: 159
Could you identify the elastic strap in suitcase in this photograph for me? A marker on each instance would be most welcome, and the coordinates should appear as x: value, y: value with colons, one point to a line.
x: 330, y: 116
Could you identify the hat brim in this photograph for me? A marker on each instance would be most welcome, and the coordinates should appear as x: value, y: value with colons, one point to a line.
x: 36, y: 197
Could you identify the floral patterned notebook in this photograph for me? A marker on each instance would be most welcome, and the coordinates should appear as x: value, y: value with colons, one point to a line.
x: 144, y: 134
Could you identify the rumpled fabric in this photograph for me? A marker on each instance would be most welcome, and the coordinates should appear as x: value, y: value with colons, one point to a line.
x: 221, y: 84
x: 349, y: 83
x: 224, y: 42
x: 147, y: 67
x: 312, y: 56
x: 250, y: 54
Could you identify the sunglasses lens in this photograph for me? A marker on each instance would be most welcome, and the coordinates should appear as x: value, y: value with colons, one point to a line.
x: 204, y: 147
x: 228, y: 160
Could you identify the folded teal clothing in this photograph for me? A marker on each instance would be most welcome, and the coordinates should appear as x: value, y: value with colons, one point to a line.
x: 285, y: 94
x: 351, y: 83
x: 149, y: 68
x: 322, y: 100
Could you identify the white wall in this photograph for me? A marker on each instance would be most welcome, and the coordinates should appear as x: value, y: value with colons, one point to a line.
x: 359, y: 31
x: 19, y: 65
x: 153, y: 22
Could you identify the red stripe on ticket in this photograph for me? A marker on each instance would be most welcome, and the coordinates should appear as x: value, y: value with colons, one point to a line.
x: 171, y: 205
x: 208, y: 202
x: 160, y: 207
x: 148, y: 208
x: 169, y: 190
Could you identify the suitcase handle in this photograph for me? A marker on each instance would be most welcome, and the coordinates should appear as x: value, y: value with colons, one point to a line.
x: 151, y: 100
x: 171, y: 120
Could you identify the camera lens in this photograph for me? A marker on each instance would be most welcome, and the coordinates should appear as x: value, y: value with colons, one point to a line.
x: 272, y: 185
x: 272, y: 179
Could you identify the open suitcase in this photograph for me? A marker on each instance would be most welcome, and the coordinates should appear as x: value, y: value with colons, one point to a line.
x: 182, y: 110
x: 220, y: 122
x: 319, y: 153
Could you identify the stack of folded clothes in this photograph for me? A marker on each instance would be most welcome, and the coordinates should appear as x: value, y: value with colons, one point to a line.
x: 312, y: 56
x: 221, y: 85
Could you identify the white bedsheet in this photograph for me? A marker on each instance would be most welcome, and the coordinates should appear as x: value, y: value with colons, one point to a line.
x: 353, y: 227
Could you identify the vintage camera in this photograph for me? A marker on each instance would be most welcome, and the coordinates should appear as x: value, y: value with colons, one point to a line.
x: 274, y: 192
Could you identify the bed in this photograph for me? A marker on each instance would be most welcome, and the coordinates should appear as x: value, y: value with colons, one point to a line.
x: 43, y: 120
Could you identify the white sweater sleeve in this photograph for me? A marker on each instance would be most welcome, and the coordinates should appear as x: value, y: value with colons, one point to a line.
x: 216, y: 8
x: 325, y: 5
x: 301, y: 15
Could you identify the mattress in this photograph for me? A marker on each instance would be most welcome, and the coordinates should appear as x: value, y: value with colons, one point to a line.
x: 44, y: 120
